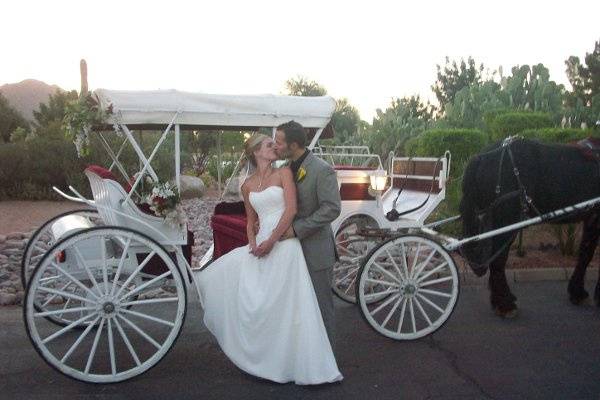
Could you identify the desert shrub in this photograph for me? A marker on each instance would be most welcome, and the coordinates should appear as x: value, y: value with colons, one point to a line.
x: 558, y: 135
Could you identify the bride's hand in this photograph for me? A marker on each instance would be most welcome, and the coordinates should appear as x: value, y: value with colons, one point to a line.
x: 264, y: 248
x: 252, y: 247
x: 288, y: 234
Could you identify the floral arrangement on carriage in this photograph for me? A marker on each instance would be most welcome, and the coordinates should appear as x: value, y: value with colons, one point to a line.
x: 161, y: 199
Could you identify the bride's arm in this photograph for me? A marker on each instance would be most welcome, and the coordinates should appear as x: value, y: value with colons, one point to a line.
x: 289, y: 194
x: 251, y: 218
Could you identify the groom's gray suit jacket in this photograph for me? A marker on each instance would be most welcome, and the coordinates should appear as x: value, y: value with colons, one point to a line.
x: 318, y: 206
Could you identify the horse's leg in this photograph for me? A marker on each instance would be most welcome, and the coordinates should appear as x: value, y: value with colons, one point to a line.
x: 502, y: 300
x: 589, y: 241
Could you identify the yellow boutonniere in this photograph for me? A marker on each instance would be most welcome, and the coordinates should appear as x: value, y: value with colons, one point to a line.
x: 301, y: 174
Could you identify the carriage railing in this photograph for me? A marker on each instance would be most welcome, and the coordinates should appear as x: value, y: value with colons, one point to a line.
x: 424, y: 169
x: 353, y: 156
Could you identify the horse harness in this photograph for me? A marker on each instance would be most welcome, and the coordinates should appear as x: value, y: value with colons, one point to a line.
x: 485, y: 216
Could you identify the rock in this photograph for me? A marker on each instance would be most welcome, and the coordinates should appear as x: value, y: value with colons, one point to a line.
x: 4, y: 275
x: 15, y: 236
x: 11, y: 252
x: 2, y: 238
x: 7, y: 299
x: 191, y: 187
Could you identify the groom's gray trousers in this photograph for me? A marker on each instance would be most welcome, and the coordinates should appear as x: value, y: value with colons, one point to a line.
x: 319, y: 204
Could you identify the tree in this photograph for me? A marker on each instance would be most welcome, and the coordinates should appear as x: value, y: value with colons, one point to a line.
x: 454, y: 77
x: 301, y: 86
x: 50, y: 115
x: 345, y: 121
x: 404, y: 119
x: 345, y: 118
x: 530, y: 89
x: 583, y: 102
x: 472, y: 103
x: 10, y: 119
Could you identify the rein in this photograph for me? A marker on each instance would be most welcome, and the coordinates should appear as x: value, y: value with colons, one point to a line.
x: 526, y: 202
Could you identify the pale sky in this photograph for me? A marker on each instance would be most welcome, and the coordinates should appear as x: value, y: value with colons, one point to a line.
x: 369, y: 51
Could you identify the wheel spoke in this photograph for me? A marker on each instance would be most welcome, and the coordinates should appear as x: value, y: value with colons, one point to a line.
x: 353, y: 271
x: 433, y: 282
x: 402, y: 313
x: 385, y: 303
x: 55, y: 294
x: 351, y: 284
x: 67, y: 328
x: 402, y: 277
x: 387, y: 319
x: 384, y: 271
x: 416, y: 257
x: 64, y: 307
x: 377, y: 294
x: 87, y: 269
x: 420, y: 307
x: 380, y: 282
x: 104, y: 266
x: 127, y: 343
x: 63, y: 311
x: 148, y: 317
x: 79, y: 340
x: 150, y: 301
x: 404, y: 259
x: 140, y: 331
x: 412, y: 315
x: 421, y: 266
x: 74, y: 280
x: 431, y: 303
x: 137, y: 270
x: 65, y: 294
x: 111, y: 349
x: 94, y: 347
x: 120, y: 267
x: 145, y: 285
x: 433, y: 271
x: 435, y: 293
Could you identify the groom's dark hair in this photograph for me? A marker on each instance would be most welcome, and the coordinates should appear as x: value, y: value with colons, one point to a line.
x: 294, y: 133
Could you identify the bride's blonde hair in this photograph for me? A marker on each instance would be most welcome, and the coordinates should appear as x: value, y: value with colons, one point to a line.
x: 253, y: 144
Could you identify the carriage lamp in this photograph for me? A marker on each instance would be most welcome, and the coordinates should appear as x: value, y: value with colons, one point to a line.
x: 378, y: 181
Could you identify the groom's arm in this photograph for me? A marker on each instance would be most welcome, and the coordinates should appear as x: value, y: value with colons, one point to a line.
x: 328, y: 197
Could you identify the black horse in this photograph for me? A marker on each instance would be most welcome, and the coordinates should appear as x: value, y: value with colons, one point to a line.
x: 519, y: 179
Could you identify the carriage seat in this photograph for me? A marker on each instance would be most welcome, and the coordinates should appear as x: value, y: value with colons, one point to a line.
x: 354, y: 167
x: 115, y: 208
x: 421, y: 182
x: 107, y: 174
x: 229, y: 227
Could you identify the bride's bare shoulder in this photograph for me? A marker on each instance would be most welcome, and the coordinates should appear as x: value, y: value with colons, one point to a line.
x: 249, y: 183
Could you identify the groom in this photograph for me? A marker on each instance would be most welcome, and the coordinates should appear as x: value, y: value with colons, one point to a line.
x: 318, y: 205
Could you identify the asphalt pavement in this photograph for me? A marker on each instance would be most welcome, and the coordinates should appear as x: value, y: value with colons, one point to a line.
x: 550, y: 351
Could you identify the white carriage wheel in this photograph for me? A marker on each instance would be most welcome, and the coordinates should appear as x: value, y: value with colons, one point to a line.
x: 417, y: 283
x: 352, y: 248
x: 37, y: 246
x: 130, y: 323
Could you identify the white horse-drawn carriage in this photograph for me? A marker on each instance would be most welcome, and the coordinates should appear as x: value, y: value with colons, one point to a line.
x: 107, y: 286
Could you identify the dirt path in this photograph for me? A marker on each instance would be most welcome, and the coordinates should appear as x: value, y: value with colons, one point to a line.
x: 24, y: 216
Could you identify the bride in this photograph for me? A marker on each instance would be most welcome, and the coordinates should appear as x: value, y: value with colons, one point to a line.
x: 258, y: 300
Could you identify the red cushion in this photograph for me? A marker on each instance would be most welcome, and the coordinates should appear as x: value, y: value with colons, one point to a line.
x: 107, y: 174
x: 229, y: 232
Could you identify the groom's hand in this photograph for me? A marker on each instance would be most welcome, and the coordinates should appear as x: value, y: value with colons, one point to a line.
x: 288, y: 234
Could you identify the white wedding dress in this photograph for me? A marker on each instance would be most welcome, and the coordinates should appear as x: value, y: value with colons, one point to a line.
x: 264, y: 311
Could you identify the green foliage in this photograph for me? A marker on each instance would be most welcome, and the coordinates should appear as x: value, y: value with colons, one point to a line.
x: 530, y: 89
x: 513, y: 123
x: 54, y: 109
x: 583, y: 103
x: 10, y: 119
x: 302, y: 86
x: 453, y: 78
x: 404, y: 119
x: 80, y: 116
x: 19, y: 135
x: 557, y: 135
x: 462, y: 143
x: 346, y: 122
x: 473, y: 103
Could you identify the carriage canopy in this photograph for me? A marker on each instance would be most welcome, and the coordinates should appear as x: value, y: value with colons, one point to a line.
x: 214, y: 111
